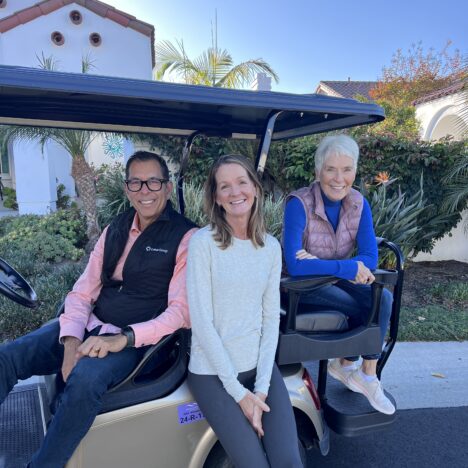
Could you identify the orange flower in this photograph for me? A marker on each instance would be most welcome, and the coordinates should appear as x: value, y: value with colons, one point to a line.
x: 382, y: 178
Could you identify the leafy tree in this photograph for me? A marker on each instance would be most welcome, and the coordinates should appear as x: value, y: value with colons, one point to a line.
x: 214, y: 67
x: 411, y: 76
x: 417, y: 74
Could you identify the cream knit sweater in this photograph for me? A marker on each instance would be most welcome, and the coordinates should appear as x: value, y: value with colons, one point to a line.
x: 234, y: 306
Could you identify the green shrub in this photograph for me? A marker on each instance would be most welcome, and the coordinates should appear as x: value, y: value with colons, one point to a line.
x: 55, y: 237
x: 9, y: 198
x: 63, y: 200
x: 51, y: 286
x: 111, y: 194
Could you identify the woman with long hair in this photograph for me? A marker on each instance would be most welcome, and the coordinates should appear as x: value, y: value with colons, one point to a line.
x: 233, y: 275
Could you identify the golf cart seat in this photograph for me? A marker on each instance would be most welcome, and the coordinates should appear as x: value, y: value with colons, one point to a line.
x: 160, y: 371
x: 309, y: 333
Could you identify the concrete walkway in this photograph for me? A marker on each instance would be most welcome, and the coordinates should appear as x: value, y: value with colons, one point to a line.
x: 428, y: 374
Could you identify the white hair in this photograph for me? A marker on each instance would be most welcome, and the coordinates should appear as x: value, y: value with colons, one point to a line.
x: 340, y: 145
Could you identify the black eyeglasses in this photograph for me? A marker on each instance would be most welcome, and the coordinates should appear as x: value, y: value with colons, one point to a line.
x: 154, y: 184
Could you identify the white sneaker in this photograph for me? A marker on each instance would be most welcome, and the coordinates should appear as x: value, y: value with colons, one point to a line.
x: 335, y: 369
x: 373, y: 391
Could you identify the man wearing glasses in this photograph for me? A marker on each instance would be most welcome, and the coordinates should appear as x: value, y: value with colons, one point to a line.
x: 131, y: 294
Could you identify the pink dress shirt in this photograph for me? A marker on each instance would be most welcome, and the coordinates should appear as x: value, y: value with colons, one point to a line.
x: 78, y: 314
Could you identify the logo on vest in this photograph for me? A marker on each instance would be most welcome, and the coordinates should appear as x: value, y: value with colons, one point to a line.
x: 152, y: 249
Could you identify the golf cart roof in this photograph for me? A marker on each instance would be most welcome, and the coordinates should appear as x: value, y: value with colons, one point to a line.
x: 37, y: 97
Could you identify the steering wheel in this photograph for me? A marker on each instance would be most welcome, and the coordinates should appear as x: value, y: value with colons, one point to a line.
x: 15, y: 287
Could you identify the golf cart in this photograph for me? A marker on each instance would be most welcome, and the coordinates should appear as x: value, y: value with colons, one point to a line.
x: 150, y: 419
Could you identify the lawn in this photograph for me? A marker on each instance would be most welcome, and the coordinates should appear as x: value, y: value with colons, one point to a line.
x: 435, y: 302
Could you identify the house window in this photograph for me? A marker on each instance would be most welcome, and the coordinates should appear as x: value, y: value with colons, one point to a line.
x: 76, y: 17
x: 4, y: 163
x: 95, y: 39
x: 57, y: 38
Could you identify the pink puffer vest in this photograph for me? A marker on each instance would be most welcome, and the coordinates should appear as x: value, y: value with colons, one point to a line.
x: 319, y: 238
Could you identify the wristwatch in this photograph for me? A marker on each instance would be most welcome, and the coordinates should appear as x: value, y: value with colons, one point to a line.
x: 130, y: 334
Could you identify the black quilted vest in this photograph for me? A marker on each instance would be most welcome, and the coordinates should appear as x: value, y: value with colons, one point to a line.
x: 147, y: 272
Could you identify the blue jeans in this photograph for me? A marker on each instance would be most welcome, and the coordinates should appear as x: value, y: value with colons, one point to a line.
x: 355, y: 301
x: 40, y: 353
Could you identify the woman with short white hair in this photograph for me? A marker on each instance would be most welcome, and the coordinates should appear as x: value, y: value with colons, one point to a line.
x: 323, y: 225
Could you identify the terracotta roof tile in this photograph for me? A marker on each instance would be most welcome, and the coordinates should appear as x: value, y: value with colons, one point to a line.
x: 50, y: 6
x: 8, y: 23
x: 28, y: 14
x: 452, y: 89
x: 346, y: 89
x: 118, y: 17
x: 97, y: 7
x: 143, y: 28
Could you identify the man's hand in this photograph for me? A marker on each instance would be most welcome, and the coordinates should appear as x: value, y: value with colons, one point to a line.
x: 70, y: 345
x: 363, y: 275
x: 253, y: 407
x: 101, y: 346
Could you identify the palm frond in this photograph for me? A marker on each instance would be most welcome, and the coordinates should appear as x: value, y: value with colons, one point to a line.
x: 75, y: 142
x: 47, y: 63
x: 87, y: 63
x: 456, y: 184
x: 172, y: 58
x: 245, y: 72
x: 214, y: 67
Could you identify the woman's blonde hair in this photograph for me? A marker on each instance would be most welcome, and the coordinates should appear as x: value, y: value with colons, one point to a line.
x: 222, y: 232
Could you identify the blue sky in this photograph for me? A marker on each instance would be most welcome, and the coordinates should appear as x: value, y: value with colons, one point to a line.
x: 306, y: 41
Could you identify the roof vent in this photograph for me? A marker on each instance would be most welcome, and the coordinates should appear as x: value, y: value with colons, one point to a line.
x: 3, y: 3
x: 75, y: 16
x: 95, y: 39
x: 57, y: 38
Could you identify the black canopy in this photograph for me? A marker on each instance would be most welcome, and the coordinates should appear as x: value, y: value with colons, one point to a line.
x: 37, y: 97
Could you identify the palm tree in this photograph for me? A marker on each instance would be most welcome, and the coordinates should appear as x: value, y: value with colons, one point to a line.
x: 75, y: 142
x: 214, y: 67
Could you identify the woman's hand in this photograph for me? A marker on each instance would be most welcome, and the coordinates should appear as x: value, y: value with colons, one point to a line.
x: 253, y: 407
x: 363, y: 275
x: 257, y: 416
x: 304, y: 255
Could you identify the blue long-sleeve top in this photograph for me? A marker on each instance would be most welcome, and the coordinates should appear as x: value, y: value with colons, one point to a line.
x: 293, y: 230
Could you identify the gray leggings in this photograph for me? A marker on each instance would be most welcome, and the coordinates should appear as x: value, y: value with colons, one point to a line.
x: 234, y: 431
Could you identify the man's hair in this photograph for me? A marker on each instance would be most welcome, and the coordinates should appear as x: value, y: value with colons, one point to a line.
x: 216, y: 214
x: 147, y: 156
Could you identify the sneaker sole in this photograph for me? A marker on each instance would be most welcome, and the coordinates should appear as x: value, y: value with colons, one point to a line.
x: 358, y: 389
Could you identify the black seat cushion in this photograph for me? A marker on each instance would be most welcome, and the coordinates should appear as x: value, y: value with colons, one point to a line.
x: 309, y: 318
x: 321, y: 321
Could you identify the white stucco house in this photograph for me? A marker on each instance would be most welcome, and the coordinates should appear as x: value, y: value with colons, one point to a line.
x: 69, y: 33
x: 443, y: 113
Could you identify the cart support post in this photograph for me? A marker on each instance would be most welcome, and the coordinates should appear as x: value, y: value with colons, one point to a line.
x: 264, y: 146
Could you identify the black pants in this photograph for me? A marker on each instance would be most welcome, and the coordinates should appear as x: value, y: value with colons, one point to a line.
x: 241, y: 442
